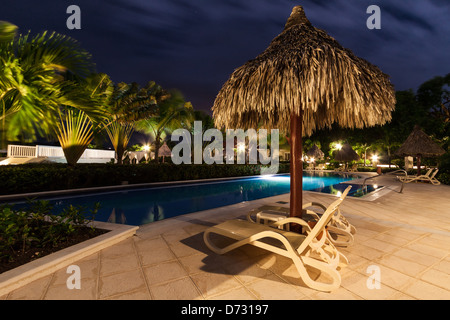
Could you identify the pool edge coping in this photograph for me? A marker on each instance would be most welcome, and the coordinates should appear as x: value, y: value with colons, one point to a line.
x: 15, y: 278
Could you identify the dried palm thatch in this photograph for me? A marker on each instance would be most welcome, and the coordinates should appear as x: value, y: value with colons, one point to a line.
x: 346, y: 154
x: 304, y: 68
x: 164, y: 151
x: 419, y: 144
x: 315, y: 153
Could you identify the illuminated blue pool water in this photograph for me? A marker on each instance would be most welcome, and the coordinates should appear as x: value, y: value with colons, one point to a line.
x: 142, y: 206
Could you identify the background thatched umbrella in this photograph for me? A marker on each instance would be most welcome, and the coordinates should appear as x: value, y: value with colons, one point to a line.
x: 164, y: 151
x: 346, y: 154
x: 305, y: 80
x: 419, y: 145
x: 315, y: 153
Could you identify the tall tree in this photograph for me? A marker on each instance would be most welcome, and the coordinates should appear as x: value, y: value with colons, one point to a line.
x: 75, y: 130
x: 34, y: 81
x: 173, y: 113
x: 128, y: 105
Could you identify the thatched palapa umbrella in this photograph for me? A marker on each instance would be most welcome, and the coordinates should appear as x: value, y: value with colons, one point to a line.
x: 305, y: 80
x: 315, y: 152
x: 346, y: 154
x: 164, y: 151
x: 419, y: 145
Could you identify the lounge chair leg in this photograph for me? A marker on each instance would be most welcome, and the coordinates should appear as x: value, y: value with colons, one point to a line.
x: 322, y: 267
x: 339, y: 232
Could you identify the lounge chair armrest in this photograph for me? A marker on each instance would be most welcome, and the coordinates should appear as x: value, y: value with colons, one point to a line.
x: 312, y: 214
x: 314, y: 204
x: 296, y: 220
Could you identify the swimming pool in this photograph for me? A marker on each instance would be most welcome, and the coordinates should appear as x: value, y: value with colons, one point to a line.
x: 142, y: 206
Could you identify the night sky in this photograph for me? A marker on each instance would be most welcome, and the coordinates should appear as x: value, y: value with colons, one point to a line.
x: 194, y: 45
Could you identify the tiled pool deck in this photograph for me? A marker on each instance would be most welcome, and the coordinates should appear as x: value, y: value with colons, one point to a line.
x: 406, y: 235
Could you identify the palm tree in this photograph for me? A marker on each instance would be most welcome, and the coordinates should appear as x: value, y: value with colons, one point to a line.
x: 75, y: 130
x: 389, y: 143
x: 173, y: 113
x: 129, y: 104
x: 74, y: 134
x: 34, y: 81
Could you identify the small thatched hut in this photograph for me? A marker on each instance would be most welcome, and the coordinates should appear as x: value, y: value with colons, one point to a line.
x: 346, y: 154
x: 419, y: 145
x: 164, y: 151
x: 315, y: 153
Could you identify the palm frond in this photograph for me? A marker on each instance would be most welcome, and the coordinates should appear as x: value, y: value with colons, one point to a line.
x: 7, y: 32
x: 74, y: 134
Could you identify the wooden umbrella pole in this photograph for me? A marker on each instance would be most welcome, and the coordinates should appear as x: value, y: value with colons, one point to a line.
x: 296, y: 165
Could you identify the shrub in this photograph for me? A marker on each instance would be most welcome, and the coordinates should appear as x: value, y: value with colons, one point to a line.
x: 444, y: 169
x: 49, y: 177
x: 36, y: 226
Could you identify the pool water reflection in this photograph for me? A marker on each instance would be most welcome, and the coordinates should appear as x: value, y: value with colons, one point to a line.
x: 142, y: 206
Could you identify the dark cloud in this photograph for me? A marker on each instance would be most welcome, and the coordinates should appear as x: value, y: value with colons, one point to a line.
x: 194, y: 45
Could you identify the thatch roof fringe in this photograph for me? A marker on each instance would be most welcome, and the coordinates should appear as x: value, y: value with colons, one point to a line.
x: 420, y: 144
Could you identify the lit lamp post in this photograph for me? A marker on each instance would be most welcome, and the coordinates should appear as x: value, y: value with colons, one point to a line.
x: 374, y: 160
x: 146, y: 149
x: 375, y: 163
x: 338, y: 147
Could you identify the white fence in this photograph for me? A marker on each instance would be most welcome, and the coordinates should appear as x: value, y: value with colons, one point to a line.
x: 18, y: 151
x: 21, y: 151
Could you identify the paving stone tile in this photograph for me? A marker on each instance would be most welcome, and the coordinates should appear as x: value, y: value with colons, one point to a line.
x: 425, y: 291
x: 140, y: 294
x: 438, y: 278
x: 274, y: 288
x: 120, y: 283
x: 164, y: 272
x: 211, y: 284
x: 181, y: 289
x: 237, y: 294
x: 87, y: 291
x: 417, y: 257
x: 33, y: 291
x: 117, y: 264
x: 366, y: 287
x: 402, y: 265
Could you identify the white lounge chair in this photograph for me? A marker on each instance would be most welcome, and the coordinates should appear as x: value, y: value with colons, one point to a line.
x: 428, y: 177
x: 310, y: 250
x: 340, y: 231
